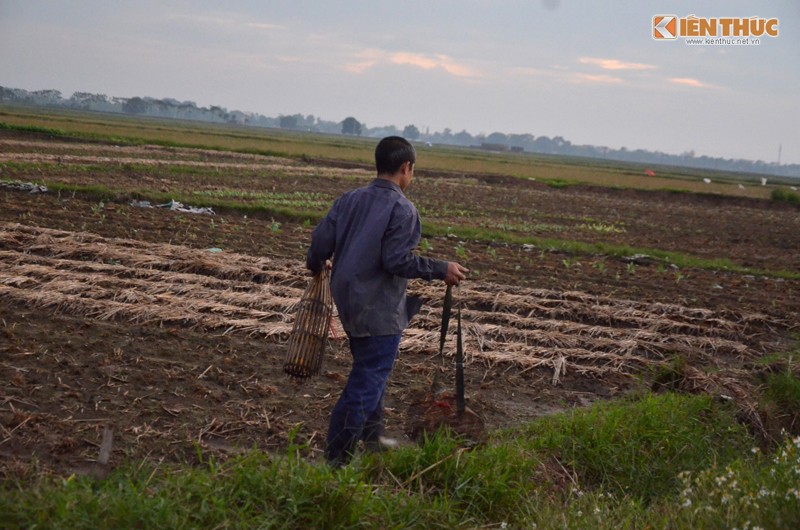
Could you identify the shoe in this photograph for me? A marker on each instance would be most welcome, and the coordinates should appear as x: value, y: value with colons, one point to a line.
x: 381, y: 445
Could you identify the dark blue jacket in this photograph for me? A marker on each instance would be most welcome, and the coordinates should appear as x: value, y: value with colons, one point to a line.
x: 372, y: 232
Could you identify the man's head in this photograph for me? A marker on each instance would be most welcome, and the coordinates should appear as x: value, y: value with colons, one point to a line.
x: 395, y: 155
x: 394, y: 159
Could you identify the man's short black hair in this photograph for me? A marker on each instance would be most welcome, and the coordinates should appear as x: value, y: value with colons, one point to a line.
x: 391, y: 153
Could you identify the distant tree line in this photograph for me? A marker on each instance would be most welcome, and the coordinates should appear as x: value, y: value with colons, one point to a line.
x: 496, y: 141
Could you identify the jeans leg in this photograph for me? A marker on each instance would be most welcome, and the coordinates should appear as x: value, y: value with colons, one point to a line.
x: 373, y: 427
x: 361, y: 399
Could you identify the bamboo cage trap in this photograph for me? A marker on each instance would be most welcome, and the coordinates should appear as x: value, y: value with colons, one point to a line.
x: 310, y: 330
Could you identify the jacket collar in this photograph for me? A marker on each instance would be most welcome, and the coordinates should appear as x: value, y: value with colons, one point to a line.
x: 383, y: 183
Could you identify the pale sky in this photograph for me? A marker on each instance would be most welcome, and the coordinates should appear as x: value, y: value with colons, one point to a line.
x: 588, y: 71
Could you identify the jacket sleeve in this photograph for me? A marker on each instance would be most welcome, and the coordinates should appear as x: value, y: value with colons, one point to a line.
x: 397, y: 252
x: 323, y: 242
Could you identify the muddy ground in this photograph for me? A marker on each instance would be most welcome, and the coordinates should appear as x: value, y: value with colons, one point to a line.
x: 169, y: 389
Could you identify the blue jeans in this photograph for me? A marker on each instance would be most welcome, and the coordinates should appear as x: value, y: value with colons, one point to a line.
x: 358, y: 414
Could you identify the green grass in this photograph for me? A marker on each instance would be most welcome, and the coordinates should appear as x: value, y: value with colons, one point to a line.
x: 34, y: 129
x: 782, y: 195
x: 656, y: 461
x: 126, y: 130
x: 781, y: 404
x: 296, y: 200
x: 634, y: 448
x: 678, y: 259
x: 783, y: 390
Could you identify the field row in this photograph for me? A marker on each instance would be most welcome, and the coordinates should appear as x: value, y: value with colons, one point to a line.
x: 758, y: 234
x: 127, y: 280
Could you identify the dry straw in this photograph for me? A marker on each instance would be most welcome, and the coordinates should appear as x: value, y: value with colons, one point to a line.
x: 310, y: 331
x: 126, y: 280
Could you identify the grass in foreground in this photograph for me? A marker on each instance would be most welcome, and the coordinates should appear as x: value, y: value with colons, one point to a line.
x: 664, y: 461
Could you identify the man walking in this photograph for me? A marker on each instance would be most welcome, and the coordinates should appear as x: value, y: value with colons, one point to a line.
x: 371, y: 234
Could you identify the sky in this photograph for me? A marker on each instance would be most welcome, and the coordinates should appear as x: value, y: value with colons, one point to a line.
x: 590, y: 72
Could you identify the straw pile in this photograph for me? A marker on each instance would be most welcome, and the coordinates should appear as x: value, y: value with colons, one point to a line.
x: 310, y: 331
x: 127, y: 280
x: 587, y: 334
x: 564, y: 332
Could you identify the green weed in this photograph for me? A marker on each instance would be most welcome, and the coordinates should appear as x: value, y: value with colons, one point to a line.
x: 570, y: 263
x: 670, y: 376
x: 760, y: 493
x: 603, y: 228
x: 600, y: 265
x: 666, y: 461
x: 634, y: 449
x: 782, y: 195
x: 781, y: 402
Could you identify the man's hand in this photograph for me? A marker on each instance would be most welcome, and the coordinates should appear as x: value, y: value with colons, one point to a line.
x: 327, y: 265
x: 455, y: 273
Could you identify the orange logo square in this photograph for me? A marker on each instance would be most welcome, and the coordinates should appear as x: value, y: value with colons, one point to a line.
x: 665, y: 27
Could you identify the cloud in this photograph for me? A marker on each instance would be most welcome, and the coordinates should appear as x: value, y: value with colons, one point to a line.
x: 296, y: 59
x: 229, y: 24
x: 414, y: 59
x: 615, y: 64
x: 688, y: 81
x: 530, y: 71
x: 198, y: 19
x: 561, y: 74
x: 264, y: 26
x: 370, y: 58
x: 596, y: 78
x: 364, y: 60
x: 428, y: 62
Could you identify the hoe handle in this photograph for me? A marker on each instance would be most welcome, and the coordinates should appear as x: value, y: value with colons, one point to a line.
x: 460, y: 405
x: 446, y: 310
x: 448, y: 304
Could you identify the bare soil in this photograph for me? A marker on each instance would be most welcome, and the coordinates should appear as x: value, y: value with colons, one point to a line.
x: 116, y: 315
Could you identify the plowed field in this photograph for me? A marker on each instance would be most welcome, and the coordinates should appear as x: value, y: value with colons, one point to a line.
x: 170, y: 327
